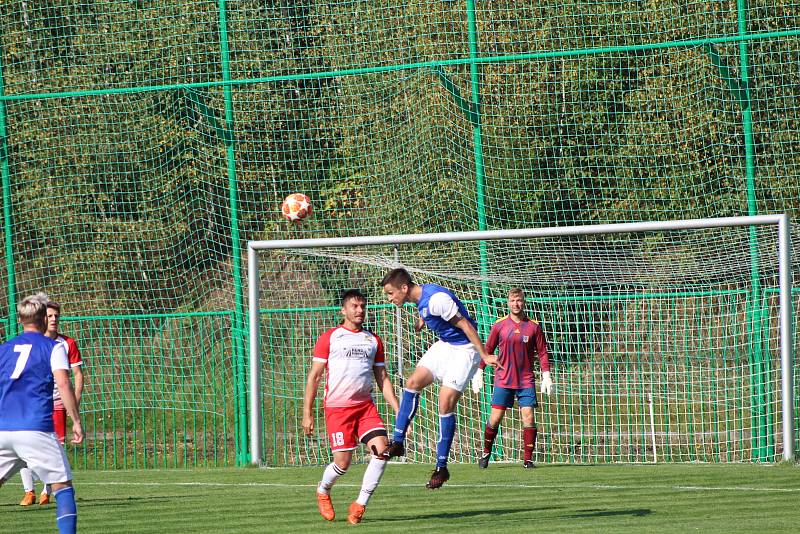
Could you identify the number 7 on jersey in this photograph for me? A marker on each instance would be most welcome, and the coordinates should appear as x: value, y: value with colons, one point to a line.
x: 24, y: 353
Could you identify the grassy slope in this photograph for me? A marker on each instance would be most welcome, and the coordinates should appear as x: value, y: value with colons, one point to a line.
x: 718, y: 498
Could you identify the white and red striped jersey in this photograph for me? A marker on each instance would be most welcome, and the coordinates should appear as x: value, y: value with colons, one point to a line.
x: 349, y: 357
x: 75, y: 360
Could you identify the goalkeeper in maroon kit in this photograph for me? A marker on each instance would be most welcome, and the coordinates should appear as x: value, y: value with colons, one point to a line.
x: 519, y: 339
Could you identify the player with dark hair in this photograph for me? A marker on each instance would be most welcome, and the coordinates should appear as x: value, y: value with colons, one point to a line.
x: 452, y: 360
x: 29, y: 365
x: 350, y: 356
x: 519, y: 339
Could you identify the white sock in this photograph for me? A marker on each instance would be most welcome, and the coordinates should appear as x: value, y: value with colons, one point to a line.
x: 372, y: 476
x: 27, y: 478
x: 329, y: 478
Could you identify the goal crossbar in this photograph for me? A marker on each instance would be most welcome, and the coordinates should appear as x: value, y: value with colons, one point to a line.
x: 784, y: 273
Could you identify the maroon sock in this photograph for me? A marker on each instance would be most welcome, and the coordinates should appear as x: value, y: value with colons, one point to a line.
x: 489, y: 434
x: 529, y: 441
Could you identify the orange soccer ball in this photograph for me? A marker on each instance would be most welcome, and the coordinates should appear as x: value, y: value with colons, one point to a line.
x: 296, y: 207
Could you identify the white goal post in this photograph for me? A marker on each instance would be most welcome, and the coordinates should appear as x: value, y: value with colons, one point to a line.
x: 785, y: 320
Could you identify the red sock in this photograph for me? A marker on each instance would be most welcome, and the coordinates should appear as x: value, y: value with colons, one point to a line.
x: 529, y: 441
x: 489, y: 434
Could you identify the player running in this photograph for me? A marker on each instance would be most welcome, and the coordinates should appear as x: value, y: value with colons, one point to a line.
x: 350, y: 356
x: 29, y: 365
x: 452, y: 360
x: 519, y: 339
x: 59, y: 412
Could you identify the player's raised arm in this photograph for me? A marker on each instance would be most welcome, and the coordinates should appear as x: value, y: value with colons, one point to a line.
x: 312, y: 384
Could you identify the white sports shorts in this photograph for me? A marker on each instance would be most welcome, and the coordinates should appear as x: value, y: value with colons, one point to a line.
x: 452, y: 365
x: 40, y: 451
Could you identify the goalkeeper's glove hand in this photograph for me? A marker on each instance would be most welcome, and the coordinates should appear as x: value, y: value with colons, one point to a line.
x: 547, y: 382
x: 477, y: 381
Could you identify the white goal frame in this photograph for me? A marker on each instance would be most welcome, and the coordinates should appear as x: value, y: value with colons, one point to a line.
x: 784, y: 271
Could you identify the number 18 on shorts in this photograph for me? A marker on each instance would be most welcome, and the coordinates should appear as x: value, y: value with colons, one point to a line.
x: 348, y: 425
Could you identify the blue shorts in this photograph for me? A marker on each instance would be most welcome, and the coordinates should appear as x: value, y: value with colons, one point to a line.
x: 504, y: 397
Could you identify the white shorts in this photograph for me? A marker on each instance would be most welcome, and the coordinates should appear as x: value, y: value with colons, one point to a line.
x: 452, y: 365
x: 41, y: 451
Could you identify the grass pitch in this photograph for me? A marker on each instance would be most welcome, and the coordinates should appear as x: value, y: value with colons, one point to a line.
x: 503, y: 498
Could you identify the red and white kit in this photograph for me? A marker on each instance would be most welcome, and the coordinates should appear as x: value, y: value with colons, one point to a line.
x: 59, y: 412
x: 349, y: 357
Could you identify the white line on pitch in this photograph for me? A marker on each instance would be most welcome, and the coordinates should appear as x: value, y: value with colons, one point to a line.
x: 471, y: 486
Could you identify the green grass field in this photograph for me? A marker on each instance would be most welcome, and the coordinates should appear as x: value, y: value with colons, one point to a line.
x: 552, y: 498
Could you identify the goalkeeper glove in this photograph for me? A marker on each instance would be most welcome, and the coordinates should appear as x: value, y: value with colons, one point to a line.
x: 477, y: 381
x: 547, y: 382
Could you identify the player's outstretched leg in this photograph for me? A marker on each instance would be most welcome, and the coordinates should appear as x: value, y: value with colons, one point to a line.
x: 529, y: 444
x: 489, y: 435
x: 447, y: 430
x: 408, y: 409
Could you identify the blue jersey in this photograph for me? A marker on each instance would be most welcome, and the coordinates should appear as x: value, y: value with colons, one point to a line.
x: 26, y: 382
x: 441, y: 326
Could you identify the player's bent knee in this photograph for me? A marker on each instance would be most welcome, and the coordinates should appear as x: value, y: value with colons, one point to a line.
x: 448, y: 399
x: 55, y: 486
x: 527, y: 416
x: 372, y: 434
x: 419, y: 379
x: 342, y: 465
x: 413, y: 384
x: 496, y: 416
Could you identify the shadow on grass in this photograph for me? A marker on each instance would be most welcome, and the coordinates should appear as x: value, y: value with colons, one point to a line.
x: 635, y: 512
x: 466, y: 513
x: 84, y: 502
x: 545, y: 467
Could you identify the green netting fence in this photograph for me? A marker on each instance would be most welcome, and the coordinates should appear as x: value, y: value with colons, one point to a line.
x: 659, y: 346
x: 143, y: 142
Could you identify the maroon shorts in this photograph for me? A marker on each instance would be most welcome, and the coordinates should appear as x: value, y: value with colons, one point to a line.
x: 347, y: 425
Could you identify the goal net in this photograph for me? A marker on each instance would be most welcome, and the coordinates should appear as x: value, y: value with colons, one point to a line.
x: 666, y: 343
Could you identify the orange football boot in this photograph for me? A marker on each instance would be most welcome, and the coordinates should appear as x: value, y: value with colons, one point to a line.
x: 356, y: 513
x: 28, y: 499
x: 325, y: 506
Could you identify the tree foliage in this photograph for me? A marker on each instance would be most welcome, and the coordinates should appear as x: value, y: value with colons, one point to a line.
x: 128, y: 133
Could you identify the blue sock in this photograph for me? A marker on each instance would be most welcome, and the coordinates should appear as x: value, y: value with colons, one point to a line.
x: 447, y: 429
x: 66, y: 512
x: 408, y: 409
